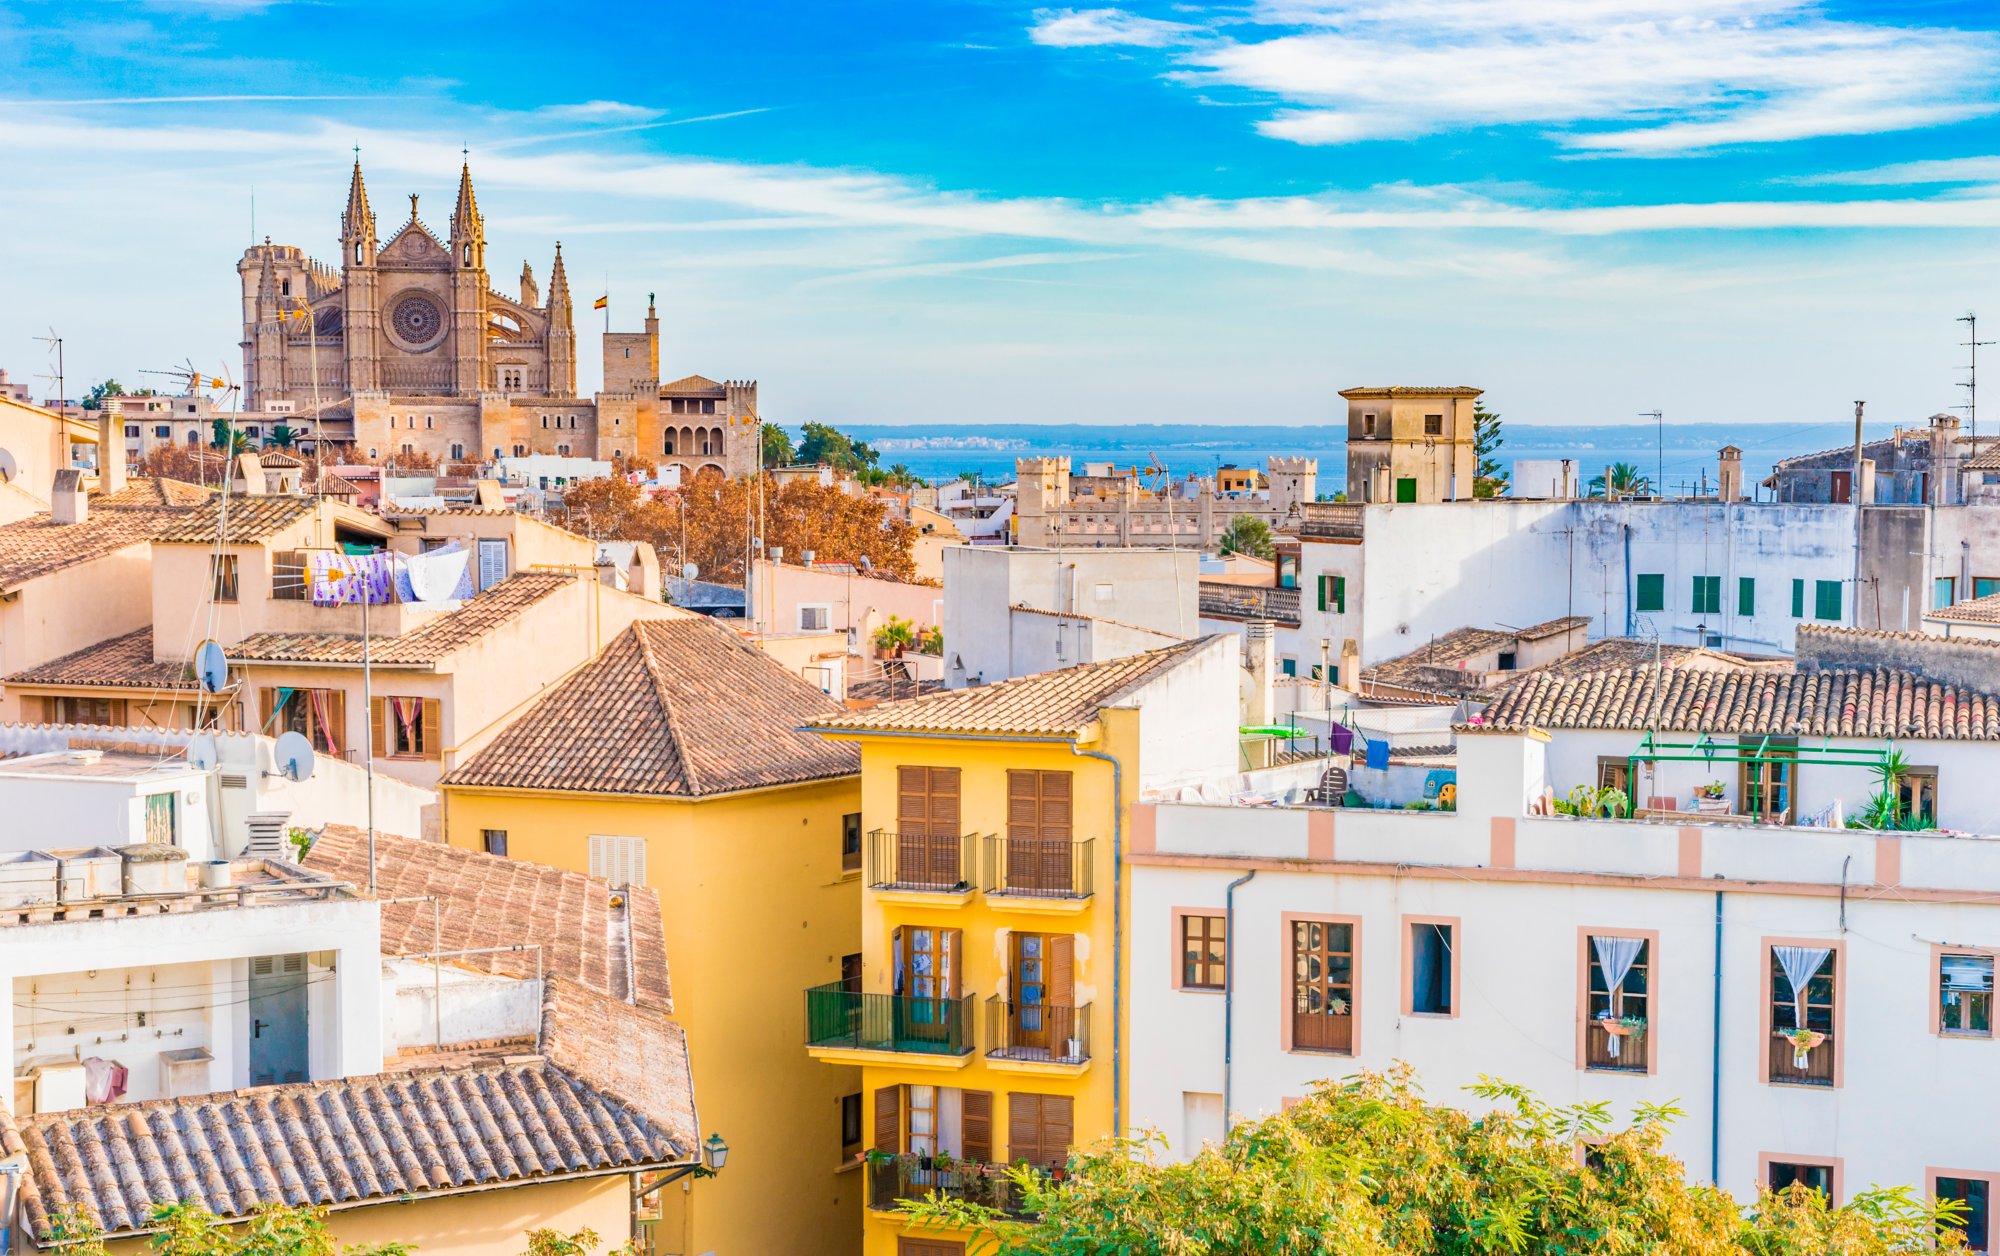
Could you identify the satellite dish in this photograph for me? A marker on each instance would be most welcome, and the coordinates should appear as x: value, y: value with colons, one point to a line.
x: 203, y: 753
x: 689, y: 571
x: 295, y: 756
x: 211, y: 667
x: 8, y: 467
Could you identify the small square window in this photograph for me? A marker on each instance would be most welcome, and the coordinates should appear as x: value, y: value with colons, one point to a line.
x: 1826, y: 600
x: 1782, y: 1175
x: 494, y: 840
x: 1204, y: 952
x: 1965, y: 995
x: 1434, y: 425
x: 1707, y: 599
x: 850, y: 842
x: 1651, y: 591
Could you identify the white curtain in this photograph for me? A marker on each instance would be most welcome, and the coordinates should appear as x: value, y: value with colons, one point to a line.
x: 1800, y: 964
x: 1616, y: 957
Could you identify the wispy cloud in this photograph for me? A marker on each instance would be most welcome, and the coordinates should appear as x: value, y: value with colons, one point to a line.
x: 1626, y: 77
x: 178, y: 100
x: 1911, y: 174
x: 600, y: 111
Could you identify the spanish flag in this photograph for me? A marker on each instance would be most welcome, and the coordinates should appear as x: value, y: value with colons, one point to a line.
x: 603, y: 302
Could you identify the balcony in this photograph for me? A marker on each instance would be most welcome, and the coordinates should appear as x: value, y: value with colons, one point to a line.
x: 841, y: 1022
x: 1819, y: 1065
x: 1039, y: 873
x: 1329, y: 521
x: 1221, y: 600
x: 1597, y: 1050
x: 1041, y: 1037
x: 921, y: 863
x: 906, y: 1176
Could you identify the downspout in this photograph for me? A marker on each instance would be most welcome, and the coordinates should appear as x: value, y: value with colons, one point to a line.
x: 1628, y: 574
x: 1117, y: 931
x: 1229, y: 990
x: 1715, y: 1060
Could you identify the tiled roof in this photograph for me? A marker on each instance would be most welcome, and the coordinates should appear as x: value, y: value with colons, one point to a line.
x: 37, y: 546
x: 145, y: 492
x: 331, y: 485
x: 1780, y: 702
x: 1445, y: 390
x: 453, y: 630
x: 692, y: 383
x: 250, y: 517
x: 384, y: 1137
x: 1061, y: 703
x: 634, y: 1052
x: 123, y: 663
x: 490, y: 900
x: 1435, y: 666
x: 1978, y: 610
x: 675, y: 707
x: 268, y: 458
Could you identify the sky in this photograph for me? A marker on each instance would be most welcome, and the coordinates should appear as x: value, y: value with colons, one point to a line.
x: 952, y: 212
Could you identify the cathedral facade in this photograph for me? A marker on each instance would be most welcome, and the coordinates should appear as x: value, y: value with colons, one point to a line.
x: 406, y: 347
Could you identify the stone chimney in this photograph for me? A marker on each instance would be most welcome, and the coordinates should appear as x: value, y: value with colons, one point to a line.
x: 1864, y: 490
x: 67, y: 501
x: 250, y: 479
x: 110, y: 451
x: 1729, y: 474
x: 1944, y: 431
x: 1260, y: 657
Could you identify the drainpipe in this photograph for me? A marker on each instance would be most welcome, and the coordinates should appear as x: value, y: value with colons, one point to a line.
x: 1715, y: 1060
x: 1229, y: 990
x: 1628, y: 573
x: 1117, y: 931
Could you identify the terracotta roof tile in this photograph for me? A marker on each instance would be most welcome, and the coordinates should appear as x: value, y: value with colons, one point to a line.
x: 123, y: 663
x: 1436, y: 666
x: 252, y: 517
x: 692, y: 384
x: 1978, y: 610
x: 37, y: 546
x: 490, y: 900
x: 675, y: 707
x: 428, y: 643
x: 1061, y: 703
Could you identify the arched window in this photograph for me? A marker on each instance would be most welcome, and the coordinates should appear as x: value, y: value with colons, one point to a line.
x: 457, y: 452
x: 671, y: 433
x: 468, y: 255
x: 427, y: 421
x: 357, y: 252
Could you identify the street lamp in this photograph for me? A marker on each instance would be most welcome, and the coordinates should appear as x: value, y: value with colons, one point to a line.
x: 715, y: 1152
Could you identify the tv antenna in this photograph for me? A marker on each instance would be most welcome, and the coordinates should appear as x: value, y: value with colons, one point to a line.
x: 1659, y: 452
x: 54, y: 342
x: 1971, y: 383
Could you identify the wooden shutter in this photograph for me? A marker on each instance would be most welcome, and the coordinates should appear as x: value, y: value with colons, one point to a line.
x: 1340, y: 594
x: 336, y: 706
x: 1058, y: 1127
x: 433, y: 733
x: 1062, y: 970
x: 927, y: 800
x: 378, y: 728
x: 889, y: 1119
x: 1322, y: 592
x: 1024, y: 1127
x: 267, y: 709
x: 976, y: 1112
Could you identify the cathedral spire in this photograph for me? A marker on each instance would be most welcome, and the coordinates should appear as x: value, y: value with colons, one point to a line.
x: 357, y: 222
x: 267, y: 284
x: 558, y: 281
x: 465, y: 218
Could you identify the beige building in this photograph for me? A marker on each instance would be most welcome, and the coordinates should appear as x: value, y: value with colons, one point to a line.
x: 1410, y: 444
x: 410, y: 348
x: 1111, y: 506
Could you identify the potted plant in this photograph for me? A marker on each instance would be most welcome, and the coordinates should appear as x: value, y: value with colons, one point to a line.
x: 1618, y: 1028
x: 1803, y: 1040
x: 1708, y: 799
x: 894, y: 637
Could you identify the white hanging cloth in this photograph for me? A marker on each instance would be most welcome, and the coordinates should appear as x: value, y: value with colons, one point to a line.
x: 1616, y: 957
x: 1801, y: 964
x: 440, y: 574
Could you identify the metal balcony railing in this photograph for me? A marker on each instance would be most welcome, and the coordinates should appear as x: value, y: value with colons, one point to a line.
x: 839, y: 1017
x: 907, y: 1176
x: 1818, y: 1070
x: 1038, y: 867
x: 937, y: 862
x: 1037, y: 1031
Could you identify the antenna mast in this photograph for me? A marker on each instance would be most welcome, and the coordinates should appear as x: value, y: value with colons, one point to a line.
x: 55, y: 346
x: 1971, y: 384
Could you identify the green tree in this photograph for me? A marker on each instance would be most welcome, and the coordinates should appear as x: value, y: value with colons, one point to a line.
x: 224, y: 436
x: 777, y: 446
x: 1247, y: 534
x: 94, y: 399
x: 283, y: 436
x: 1625, y: 482
x: 1488, y: 479
x: 1367, y: 1168
x: 824, y: 443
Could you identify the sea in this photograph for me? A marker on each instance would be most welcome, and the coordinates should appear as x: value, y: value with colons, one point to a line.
x: 1681, y: 456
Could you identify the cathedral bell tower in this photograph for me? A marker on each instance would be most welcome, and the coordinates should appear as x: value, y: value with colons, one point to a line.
x: 562, y: 332
x: 468, y: 284
x: 361, y: 309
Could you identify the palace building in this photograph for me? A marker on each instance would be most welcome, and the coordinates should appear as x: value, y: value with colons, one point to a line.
x: 405, y: 347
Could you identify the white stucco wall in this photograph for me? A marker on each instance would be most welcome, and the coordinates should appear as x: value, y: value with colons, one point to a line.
x: 1144, y: 588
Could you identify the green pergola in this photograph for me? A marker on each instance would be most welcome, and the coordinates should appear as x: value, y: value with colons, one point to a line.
x: 1784, y: 754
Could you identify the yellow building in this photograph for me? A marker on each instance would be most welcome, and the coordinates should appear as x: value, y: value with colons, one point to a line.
x: 1411, y: 444
x: 675, y: 760
x: 984, y: 1014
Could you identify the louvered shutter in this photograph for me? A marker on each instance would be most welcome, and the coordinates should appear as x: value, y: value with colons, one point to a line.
x: 433, y: 733
x: 1062, y: 970
x: 378, y: 728
x: 336, y: 706
x: 267, y: 710
x: 1058, y: 1127
x: 889, y: 1119
x: 976, y: 1112
x: 1024, y: 1127
x: 913, y: 800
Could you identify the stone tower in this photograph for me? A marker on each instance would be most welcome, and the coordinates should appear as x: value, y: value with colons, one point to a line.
x: 267, y: 375
x: 1293, y: 480
x: 1041, y: 498
x: 562, y: 332
x: 468, y: 288
x: 360, y: 303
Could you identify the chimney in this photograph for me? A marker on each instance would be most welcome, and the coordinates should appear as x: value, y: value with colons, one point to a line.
x: 1260, y: 655
x: 67, y: 501
x: 1864, y: 485
x: 250, y: 479
x: 1729, y: 474
x: 1944, y: 430
x: 110, y: 452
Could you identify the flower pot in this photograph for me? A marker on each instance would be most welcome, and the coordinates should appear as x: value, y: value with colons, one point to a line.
x: 1711, y: 806
x: 1802, y: 1044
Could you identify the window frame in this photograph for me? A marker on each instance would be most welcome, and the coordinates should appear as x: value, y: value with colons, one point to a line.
x: 1839, y: 1020
x: 1410, y: 924
x: 850, y: 835
x: 1585, y: 954
x: 851, y: 1121
x: 1936, y: 996
x: 826, y: 614
x: 1992, y: 1181
x: 1287, y: 985
x: 1798, y: 597
x: 1746, y: 596
x: 1821, y: 590
x: 225, y: 578
x: 1766, y: 1160
x: 1706, y: 596
x: 1649, y: 591
x: 1178, y: 943
x: 1434, y: 425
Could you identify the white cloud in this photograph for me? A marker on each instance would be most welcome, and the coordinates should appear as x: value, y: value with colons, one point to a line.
x: 1635, y: 77
x: 1913, y: 173
x: 1091, y: 28
x: 599, y: 111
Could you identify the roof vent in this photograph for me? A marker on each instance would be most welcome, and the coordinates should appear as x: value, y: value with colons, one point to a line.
x: 86, y: 756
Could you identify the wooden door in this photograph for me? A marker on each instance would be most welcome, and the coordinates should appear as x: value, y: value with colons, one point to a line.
x: 1322, y: 986
x: 1030, y: 986
x: 1040, y: 828
x: 927, y: 964
x: 927, y: 832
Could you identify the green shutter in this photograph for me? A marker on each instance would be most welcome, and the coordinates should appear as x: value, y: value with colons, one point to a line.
x: 1340, y: 594
x: 1746, y: 596
x: 1315, y: 671
x: 1652, y: 593
x: 1798, y: 599
x: 1406, y: 490
x: 1826, y: 600
x: 1322, y: 592
x: 1707, y: 595
x: 1290, y: 666
x: 1333, y: 673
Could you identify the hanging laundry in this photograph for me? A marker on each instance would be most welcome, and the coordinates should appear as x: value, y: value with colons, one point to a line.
x: 440, y: 575
x: 1343, y: 739
x: 103, y: 1080
x: 1378, y: 753
x: 340, y: 579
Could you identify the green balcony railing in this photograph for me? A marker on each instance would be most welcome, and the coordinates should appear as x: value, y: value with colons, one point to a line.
x: 840, y: 1017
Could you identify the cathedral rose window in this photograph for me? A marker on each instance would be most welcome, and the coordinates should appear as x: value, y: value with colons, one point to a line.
x: 417, y: 320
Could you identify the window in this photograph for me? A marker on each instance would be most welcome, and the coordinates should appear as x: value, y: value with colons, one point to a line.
x: 1288, y: 665
x: 1037, y: 859
x: 1814, y: 1175
x: 520, y: 451
x: 290, y: 581
x: 1802, y: 985
x: 457, y: 452
x: 1984, y: 585
x: 563, y: 450
x: 68, y: 710
x: 1617, y: 1014
x: 850, y: 1126
x: 1204, y: 952
x: 1917, y: 794
x: 619, y: 860
x: 320, y: 715
x: 131, y: 429
x: 1973, y: 1192
x: 1321, y: 1016
x: 1614, y: 772
x: 1333, y: 594
x: 1406, y: 489
x: 1040, y: 1129
x: 1944, y: 592
x: 1367, y: 424
x: 408, y: 450
x: 408, y: 728
x: 850, y: 842
x: 1434, y: 425
x: 1764, y: 786
x: 163, y: 432
x: 1433, y: 967
x: 1707, y: 595
x: 494, y: 841
x: 815, y: 618
x: 1505, y: 661
x: 427, y: 421
x: 492, y: 561
x: 1746, y: 596
x: 1652, y: 593
x: 222, y: 577
x: 850, y: 973
x: 1826, y: 600
x: 1798, y: 599
x: 1965, y: 994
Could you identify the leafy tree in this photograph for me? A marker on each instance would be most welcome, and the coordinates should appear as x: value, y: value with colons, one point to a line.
x: 777, y: 446
x: 94, y: 399
x: 1367, y: 1168
x: 824, y: 443
x: 1247, y: 534
x: 225, y: 437
x: 1625, y: 481
x: 1488, y: 479
x: 283, y: 436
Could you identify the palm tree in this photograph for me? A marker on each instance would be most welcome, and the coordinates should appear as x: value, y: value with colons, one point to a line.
x: 1625, y: 482
x: 227, y: 438
x: 282, y: 437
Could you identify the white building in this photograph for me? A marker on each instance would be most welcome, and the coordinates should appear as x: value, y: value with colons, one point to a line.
x: 1015, y: 610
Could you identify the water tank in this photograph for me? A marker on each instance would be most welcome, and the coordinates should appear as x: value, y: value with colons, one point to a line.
x: 154, y: 868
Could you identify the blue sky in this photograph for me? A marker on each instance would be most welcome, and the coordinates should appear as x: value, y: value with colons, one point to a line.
x: 952, y: 213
